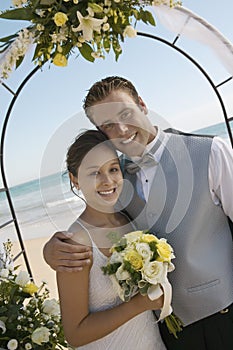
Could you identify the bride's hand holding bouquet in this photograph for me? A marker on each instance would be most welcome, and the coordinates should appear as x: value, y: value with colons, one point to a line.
x: 140, y: 263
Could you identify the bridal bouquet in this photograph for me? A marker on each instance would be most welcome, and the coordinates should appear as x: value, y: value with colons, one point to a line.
x: 60, y: 27
x: 139, y: 263
x: 28, y: 318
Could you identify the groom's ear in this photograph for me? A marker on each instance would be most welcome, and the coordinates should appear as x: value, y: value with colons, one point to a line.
x: 142, y: 105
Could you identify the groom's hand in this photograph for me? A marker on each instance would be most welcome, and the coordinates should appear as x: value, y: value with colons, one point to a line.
x: 61, y: 255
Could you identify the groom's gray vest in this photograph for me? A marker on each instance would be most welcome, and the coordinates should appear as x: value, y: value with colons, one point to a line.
x: 180, y: 209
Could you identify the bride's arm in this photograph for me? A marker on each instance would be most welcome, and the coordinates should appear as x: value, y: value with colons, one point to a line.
x: 82, y: 327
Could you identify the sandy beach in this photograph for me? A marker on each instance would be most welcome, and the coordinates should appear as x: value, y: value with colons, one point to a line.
x: 34, y: 237
x: 40, y: 270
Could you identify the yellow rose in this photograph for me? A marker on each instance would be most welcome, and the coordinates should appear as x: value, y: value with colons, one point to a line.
x: 147, y: 238
x: 60, y: 19
x: 134, y: 259
x: 60, y: 60
x: 164, y: 250
x: 30, y: 288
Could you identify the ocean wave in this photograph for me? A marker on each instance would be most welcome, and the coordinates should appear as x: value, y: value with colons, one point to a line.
x: 62, y: 201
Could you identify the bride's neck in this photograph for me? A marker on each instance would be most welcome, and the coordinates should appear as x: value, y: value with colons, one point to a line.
x: 101, y: 219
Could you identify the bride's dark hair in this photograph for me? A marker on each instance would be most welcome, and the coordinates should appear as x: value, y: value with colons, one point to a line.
x: 84, y: 143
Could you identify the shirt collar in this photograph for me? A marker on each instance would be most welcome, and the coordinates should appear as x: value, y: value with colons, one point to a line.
x: 150, y: 145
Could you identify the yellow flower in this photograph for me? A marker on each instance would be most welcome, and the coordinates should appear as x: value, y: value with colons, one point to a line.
x: 60, y: 60
x: 147, y: 238
x: 134, y: 259
x: 30, y: 288
x: 60, y: 19
x: 164, y: 250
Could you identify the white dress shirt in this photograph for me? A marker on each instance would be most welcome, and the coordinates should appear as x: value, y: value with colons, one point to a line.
x: 220, y: 173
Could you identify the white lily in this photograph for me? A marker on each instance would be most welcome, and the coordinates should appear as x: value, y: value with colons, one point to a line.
x: 88, y: 24
x: 2, y: 327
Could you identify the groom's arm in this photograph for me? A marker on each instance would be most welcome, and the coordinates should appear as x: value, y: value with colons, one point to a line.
x: 61, y: 255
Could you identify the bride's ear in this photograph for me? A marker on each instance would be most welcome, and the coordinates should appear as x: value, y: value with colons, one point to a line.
x: 74, y: 180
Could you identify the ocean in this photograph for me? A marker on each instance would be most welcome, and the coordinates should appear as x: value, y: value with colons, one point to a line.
x: 46, y: 205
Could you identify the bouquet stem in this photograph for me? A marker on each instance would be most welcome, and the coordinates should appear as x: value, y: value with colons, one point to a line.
x: 174, y: 324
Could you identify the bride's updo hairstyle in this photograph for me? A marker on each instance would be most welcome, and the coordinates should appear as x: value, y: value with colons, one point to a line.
x: 83, y: 144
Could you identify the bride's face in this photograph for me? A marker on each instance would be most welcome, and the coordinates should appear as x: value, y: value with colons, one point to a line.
x: 100, y: 178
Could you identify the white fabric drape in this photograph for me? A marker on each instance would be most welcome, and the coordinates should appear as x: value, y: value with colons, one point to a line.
x: 182, y: 21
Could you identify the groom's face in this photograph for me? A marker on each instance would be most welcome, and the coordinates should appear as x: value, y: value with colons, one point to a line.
x: 124, y: 122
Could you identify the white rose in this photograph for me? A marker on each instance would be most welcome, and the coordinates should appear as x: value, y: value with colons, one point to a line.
x: 51, y: 307
x: 2, y: 326
x: 4, y: 273
x: 133, y: 236
x: 12, y: 344
x: 130, y: 32
x: 40, y: 335
x: 122, y: 274
x: 22, y: 279
x: 154, y: 272
x: 28, y: 346
x: 144, y: 250
x: 116, y: 257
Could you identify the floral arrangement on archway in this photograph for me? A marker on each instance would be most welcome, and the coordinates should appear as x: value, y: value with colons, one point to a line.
x: 58, y: 28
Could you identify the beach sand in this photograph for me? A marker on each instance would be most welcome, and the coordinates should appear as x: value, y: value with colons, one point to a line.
x: 40, y: 270
x: 34, y: 236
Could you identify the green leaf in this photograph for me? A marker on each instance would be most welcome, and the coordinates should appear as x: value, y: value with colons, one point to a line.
x: 95, y: 7
x: 19, y: 61
x: 147, y: 17
x: 150, y: 18
x: 37, y: 50
x: 8, y: 38
x: 110, y: 269
x: 24, y: 14
x: 86, y: 52
x: 47, y: 2
x: 117, y: 49
x: 4, y: 46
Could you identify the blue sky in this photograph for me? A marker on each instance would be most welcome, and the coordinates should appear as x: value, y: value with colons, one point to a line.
x: 47, y: 114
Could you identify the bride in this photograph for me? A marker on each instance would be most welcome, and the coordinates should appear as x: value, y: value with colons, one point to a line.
x: 93, y: 315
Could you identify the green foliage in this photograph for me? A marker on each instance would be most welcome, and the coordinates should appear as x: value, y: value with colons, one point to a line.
x: 26, y: 308
x: 94, y: 28
x: 111, y: 268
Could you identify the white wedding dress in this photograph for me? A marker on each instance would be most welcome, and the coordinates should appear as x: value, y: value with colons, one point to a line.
x: 139, y: 333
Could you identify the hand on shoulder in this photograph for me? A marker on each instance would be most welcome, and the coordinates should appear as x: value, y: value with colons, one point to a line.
x: 62, y: 254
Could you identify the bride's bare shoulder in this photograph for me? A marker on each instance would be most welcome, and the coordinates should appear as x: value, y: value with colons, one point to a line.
x: 80, y: 234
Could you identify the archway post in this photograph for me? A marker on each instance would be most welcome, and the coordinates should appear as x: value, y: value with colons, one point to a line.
x: 4, y: 179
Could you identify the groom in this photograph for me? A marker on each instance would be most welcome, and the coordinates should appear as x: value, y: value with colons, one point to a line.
x: 184, y: 193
